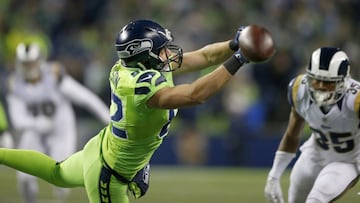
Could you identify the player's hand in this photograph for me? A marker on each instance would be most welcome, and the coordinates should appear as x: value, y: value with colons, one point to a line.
x: 273, y: 191
x: 6, y: 140
x: 234, y: 44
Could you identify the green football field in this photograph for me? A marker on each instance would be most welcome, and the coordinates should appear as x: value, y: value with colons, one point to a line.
x: 178, y: 185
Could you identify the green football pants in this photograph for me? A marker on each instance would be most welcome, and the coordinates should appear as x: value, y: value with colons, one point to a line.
x: 82, y: 169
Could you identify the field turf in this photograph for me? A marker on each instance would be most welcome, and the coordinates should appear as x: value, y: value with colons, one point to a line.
x: 178, y: 185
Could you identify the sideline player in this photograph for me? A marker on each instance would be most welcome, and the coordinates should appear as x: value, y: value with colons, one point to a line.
x: 40, y: 97
x: 328, y: 99
x: 144, y: 101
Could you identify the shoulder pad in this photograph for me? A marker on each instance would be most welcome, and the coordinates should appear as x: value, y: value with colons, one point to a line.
x: 152, y: 77
x: 353, y: 97
x: 293, y: 88
x: 149, y: 81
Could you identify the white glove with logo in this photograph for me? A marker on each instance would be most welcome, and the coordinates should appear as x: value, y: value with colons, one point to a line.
x: 273, y: 191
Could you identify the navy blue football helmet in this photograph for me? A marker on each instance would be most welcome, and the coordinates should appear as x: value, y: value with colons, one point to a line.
x: 140, y: 42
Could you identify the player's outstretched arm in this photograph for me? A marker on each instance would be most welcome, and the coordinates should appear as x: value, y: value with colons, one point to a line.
x: 209, y: 55
x: 200, y: 90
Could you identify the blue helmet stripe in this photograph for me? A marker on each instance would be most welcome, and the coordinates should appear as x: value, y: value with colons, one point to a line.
x: 343, y: 69
x: 309, y: 66
x: 326, y: 55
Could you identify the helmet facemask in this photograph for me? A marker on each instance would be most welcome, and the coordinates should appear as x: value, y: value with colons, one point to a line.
x: 327, y: 76
x: 173, y: 58
x: 326, y: 97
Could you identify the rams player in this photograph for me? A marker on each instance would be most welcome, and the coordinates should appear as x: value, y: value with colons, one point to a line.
x: 40, y: 98
x: 328, y: 99
x: 144, y: 102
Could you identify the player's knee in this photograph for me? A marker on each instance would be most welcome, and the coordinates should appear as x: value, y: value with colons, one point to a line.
x: 320, y: 197
x: 314, y: 200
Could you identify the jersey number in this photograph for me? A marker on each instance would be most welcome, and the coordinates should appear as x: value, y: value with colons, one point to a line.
x: 118, y: 115
x: 46, y: 108
x: 341, y: 142
x: 353, y: 89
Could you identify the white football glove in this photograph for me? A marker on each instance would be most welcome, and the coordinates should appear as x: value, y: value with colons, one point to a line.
x: 6, y: 140
x: 273, y: 191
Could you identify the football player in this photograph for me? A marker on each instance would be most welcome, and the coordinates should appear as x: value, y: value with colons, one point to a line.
x: 40, y: 98
x: 328, y: 100
x: 144, y: 102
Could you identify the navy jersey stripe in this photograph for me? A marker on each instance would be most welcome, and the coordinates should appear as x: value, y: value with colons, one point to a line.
x: 160, y: 80
x: 142, y: 90
x: 119, y: 132
x: 146, y: 77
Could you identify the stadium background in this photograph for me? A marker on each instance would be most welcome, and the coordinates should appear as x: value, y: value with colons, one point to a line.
x: 238, y: 128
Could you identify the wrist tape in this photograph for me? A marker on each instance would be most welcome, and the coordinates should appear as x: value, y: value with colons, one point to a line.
x: 233, y: 64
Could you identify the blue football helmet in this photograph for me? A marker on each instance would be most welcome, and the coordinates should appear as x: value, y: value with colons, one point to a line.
x: 330, y: 65
x: 140, y: 42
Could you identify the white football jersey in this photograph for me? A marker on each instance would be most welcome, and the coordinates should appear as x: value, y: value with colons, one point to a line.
x: 44, y: 108
x: 29, y: 101
x: 335, y: 133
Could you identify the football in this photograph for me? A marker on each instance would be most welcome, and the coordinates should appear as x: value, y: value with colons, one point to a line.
x: 256, y: 43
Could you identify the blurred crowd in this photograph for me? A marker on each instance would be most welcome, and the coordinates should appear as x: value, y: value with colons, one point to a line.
x: 80, y: 34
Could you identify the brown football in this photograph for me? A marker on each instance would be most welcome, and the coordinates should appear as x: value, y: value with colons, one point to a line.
x: 256, y: 43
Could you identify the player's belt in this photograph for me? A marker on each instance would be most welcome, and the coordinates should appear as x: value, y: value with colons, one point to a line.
x: 114, y: 173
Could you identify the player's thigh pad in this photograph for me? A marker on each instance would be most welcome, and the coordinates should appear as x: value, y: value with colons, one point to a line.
x: 101, y: 186
x: 303, y: 176
x: 332, y: 181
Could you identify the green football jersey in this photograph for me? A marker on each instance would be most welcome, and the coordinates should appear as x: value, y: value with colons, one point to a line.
x: 136, y: 130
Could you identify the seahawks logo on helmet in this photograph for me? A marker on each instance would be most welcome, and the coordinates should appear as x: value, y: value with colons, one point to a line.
x: 135, y: 47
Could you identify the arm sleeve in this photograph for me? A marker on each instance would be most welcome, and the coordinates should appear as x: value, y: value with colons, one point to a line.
x: 83, y: 97
x: 281, y: 161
